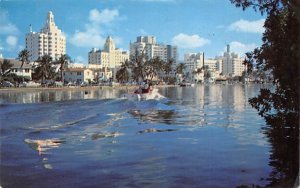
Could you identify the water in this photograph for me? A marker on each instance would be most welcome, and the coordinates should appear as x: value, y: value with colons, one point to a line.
x: 203, y: 136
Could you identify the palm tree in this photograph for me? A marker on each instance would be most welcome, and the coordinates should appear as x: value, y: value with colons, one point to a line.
x: 44, y: 69
x: 123, y: 73
x: 5, y: 70
x: 168, y: 68
x: 23, y: 56
x: 153, y: 67
x: 62, y: 61
x: 5, y: 67
x: 207, y: 73
x: 138, y: 67
x: 180, y: 68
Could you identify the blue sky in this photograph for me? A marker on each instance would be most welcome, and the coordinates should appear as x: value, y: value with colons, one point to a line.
x: 193, y: 25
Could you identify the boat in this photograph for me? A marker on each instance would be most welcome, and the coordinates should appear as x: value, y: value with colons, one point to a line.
x: 144, y: 95
x: 186, y: 84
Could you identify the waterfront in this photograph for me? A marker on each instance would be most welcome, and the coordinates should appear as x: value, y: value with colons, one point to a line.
x: 203, y: 136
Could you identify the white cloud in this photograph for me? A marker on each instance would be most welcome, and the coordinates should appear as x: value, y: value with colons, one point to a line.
x: 79, y: 59
x: 92, y: 36
x: 87, y: 39
x: 248, y: 26
x: 241, y: 48
x: 189, y: 41
x: 6, y: 26
x: 143, y: 32
x: 104, y: 16
x: 12, y: 41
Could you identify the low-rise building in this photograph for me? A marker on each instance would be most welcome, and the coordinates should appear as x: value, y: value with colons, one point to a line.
x: 26, y: 71
x: 79, y: 75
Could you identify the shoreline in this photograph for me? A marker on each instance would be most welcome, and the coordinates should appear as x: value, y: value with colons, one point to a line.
x: 71, y: 88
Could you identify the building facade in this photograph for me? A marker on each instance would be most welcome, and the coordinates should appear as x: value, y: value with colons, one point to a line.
x: 151, y: 49
x: 109, y: 57
x: 50, y: 40
x: 26, y: 71
x: 194, y: 61
x: 79, y: 75
x: 232, y: 64
x: 214, y: 64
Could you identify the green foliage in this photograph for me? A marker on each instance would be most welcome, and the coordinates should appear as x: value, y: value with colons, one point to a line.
x: 180, y: 68
x: 5, y: 71
x: 44, y: 69
x: 62, y: 61
x: 138, y: 67
x: 280, y: 55
x: 23, y: 56
x: 153, y: 67
x: 5, y: 66
x: 122, y: 74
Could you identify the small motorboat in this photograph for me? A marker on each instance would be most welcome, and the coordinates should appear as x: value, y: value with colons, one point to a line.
x: 144, y: 95
x: 186, y: 84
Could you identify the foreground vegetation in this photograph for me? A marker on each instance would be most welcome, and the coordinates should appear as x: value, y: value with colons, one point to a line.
x: 279, y: 54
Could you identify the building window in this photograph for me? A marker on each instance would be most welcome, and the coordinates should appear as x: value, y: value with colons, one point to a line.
x: 27, y: 70
x: 78, y: 73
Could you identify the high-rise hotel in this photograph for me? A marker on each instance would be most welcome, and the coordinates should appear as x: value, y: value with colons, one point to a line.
x: 109, y: 57
x: 50, y: 40
x: 151, y: 49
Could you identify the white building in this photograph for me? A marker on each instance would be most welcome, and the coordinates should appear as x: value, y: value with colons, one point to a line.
x: 109, y: 57
x: 26, y: 70
x: 79, y: 75
x: 232, y: 64
x: 148, y: 46
x: 214, y: 64
x: 193, y: 61
x: 50, y: 40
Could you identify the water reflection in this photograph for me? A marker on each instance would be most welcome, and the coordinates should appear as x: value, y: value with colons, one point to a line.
x: 57, y: 95
x: 204, y: 136
x: 44, y: 145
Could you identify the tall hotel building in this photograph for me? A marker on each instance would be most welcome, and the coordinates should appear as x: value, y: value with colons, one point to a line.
x: 194, y: 61
x: 148, y: 46
x: 50, y: 40
x: 232, y: 64
x: 109, y: 57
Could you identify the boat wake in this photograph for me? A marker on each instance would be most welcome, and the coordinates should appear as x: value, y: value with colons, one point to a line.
x: 152, y: 95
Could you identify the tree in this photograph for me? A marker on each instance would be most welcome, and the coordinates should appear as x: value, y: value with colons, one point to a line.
x: 280, y: 55
x: 168, y: 68
x: 153, y: 67
x: 138, y: 66
x: 23, y: 56
x: 207, y: 73
x: 5, y: 70
x: 122, y: 74
x: 44, y: 69
x: 5, y: 66
x: 180, y: 68
x: 62, y: 61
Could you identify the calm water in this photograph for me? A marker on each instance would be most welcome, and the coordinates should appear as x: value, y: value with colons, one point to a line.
x: 203, y: 136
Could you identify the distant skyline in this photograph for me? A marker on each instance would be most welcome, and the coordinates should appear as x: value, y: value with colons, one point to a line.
x: 193, y: 25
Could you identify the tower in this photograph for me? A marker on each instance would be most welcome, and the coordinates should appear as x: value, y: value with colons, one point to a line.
x: 50, y: 40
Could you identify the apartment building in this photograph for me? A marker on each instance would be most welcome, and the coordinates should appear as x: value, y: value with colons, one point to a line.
x: 151, y: 49
x: 50, y: 40
x: 109, y: 57
x: 232, y: 64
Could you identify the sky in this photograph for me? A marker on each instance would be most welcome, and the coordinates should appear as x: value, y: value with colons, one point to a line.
x: 192, y: 25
